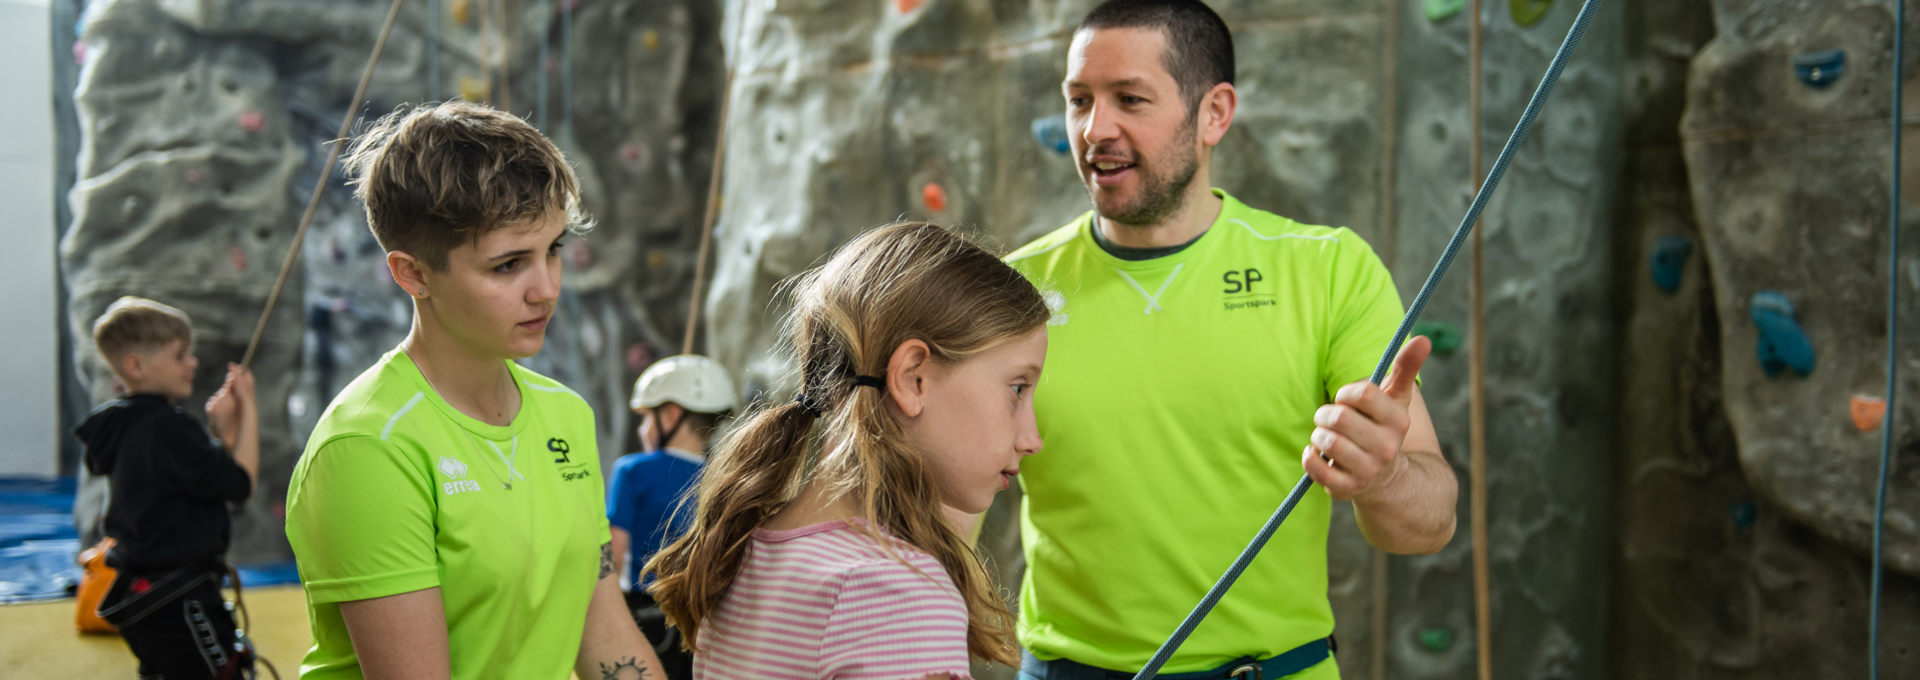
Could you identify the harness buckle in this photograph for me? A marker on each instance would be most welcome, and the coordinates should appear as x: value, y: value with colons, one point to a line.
x: 1253, y: 670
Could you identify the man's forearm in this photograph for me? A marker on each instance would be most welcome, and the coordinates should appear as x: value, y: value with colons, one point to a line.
x: 1414, y: 513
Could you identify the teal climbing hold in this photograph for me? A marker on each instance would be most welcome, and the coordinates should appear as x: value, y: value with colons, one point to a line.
x: 1820, y: 69
x: 1669, y: 261
x: 1436, y: 640
x: 1050, y: 133
x: 1743, y: 514
x: 1782, y: 343
x: 1446, y: 337
x: 1441, y: 10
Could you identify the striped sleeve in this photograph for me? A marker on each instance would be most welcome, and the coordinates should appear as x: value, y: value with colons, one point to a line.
x: 891, y: 622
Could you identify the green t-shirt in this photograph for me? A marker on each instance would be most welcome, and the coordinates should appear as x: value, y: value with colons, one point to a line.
x: 1178, y: 397
x: 398, y: 492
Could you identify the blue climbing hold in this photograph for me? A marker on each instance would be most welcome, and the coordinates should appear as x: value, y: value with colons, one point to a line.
x: 1743, y: 514
x: 1782, y: 344
x: 1051, y: 133
x: 1820, y: 69
x: 1669, y: 261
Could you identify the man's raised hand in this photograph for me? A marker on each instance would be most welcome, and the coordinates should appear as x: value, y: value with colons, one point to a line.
x: 1356, y: 443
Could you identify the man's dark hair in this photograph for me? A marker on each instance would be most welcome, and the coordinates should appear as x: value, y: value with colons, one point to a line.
x: 1199, y: 49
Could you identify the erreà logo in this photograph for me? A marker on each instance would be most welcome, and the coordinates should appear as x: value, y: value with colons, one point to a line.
x: 453, y: 468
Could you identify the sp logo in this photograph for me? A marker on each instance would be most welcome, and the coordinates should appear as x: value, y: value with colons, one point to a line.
x: 1239, y: 281
x: 559, y: 446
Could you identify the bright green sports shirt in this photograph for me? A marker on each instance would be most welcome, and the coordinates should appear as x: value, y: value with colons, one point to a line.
x: 398, y: 492
x: 1178, y: 397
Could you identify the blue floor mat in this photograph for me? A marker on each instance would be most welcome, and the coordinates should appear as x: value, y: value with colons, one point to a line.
x: 37, y: 540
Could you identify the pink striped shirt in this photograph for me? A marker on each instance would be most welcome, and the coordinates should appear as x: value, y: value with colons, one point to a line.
x: 825, y: 601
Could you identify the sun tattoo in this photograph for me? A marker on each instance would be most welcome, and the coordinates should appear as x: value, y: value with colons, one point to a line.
x: 626, y: 669
x: 606, y: 559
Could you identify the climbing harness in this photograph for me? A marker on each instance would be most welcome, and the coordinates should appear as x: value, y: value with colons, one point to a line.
x: 713, y: 187
x: 1519, y: 136
x: 320, y: 186
x: 1893, y: 356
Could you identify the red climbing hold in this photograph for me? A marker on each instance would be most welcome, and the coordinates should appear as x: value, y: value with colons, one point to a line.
x: 80, y: 53
x: 253, y: 121
x: 1868, y: 412
x: 195, y: 175
x: 630, y: 154
x: 239, y: 258
x: 638, y: 357
x: 906, y: 6
x: 934, y: 196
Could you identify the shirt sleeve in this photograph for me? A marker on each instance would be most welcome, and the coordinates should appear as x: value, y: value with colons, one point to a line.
x: 199, y: 465
x: 1365, y: 310
x: 361, y: 521
x: 892, y: 622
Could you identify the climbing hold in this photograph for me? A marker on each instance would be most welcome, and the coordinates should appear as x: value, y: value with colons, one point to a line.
x: 906, y: 6
x: 1669, y: 260
x: 1441, y: 10
x: 578, y: 252
x: 1436, y: 640
x: 461, y: 11
x: 253, y: 121
x: 473, y: 89
x: 631, y: 154
x: 1743, y: 514
x: 651, y: 39
x: 638, y: 357
x: 1051, y: 133
x: 1868, y: 412
x: 80, y: 53
x: 239, y: 258
x: 195, y: 175
x: 1820, y: 69
x: 1446, y: 337
x: 1782, y: 344
x: 1529, y: 12
x: 934, y: 196
x: 656, y: 258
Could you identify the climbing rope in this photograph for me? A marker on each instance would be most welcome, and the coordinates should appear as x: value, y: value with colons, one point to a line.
x: 433, y: 50
x: 713, y: 187
x: 1477, y: 375
x: 320, y: 187
x: 1887, y: 420
x: 1389, y: 231
x: 1539, y: 100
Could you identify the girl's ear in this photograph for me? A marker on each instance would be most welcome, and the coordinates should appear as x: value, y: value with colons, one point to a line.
x: 409, y: 273
x: 907, y: 373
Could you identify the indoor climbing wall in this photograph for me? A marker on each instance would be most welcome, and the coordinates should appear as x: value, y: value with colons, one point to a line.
x: 1547, y: 235
x: 202, y: 129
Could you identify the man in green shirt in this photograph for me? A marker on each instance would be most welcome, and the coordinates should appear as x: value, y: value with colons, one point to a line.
x: 1204, y: 355
x: 447, y: 514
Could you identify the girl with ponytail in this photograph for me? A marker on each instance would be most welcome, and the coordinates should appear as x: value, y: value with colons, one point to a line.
x: 820, y: 547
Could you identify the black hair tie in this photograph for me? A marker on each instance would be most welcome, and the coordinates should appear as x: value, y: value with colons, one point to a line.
x: 869, y: 381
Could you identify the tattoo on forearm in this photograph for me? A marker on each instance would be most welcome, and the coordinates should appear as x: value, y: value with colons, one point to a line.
x: 606, y: 561
x: 625, y: 669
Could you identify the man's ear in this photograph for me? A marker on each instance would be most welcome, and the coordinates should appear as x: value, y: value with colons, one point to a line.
x: 907, y: 373
x: 1217, y: 108
x: 409, y: 272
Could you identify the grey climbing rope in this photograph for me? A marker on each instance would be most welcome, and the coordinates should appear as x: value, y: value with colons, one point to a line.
x: 1887, y: 419
x: 1519, y: 136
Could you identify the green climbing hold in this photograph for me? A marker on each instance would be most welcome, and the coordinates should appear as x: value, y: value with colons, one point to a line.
x: 1446, y: 337
x: 1436, y: 640
x: 1441, y: 10
x: 1529, y: 12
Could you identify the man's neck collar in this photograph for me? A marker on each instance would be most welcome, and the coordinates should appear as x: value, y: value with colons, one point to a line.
x: 1195, y: 216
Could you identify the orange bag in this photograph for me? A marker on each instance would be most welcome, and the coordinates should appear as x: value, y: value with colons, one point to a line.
x: 94, y: 582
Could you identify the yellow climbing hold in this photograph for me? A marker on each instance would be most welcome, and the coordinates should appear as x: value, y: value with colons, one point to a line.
x: 473, y: 89
x: 651, y: 39
x: 462, y: 10
x: 1529, y: 12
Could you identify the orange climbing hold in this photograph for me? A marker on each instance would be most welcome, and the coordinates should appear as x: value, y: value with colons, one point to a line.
x: 934, y: 196
x: 462, y: 10
x: 1868, y: 412
x: 906, y: 6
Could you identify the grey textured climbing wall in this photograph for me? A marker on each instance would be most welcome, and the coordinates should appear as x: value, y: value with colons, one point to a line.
x: 202, y: 130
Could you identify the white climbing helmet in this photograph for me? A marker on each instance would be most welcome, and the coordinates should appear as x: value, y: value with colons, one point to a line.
x: 696, y: 383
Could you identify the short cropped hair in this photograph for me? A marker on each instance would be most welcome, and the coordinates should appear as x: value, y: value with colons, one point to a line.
x: 1199, y: 51
x: 133, y: 324
x: 440, y: 175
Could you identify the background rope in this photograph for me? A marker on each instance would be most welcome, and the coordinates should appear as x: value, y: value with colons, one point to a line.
x: 1477, y: 373
x: 1519, y: 136
x: 1389, y: 232
x: 320, y: 187
x: 713, y: 186
x: 1893, y: 334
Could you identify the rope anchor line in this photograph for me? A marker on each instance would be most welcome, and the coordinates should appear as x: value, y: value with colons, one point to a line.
x: 1519, y: 136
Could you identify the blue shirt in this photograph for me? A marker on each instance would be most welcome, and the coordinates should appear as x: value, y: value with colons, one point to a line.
x: 646, y: 490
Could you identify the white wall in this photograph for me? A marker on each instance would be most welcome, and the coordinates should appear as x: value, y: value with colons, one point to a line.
x: 29, y: 389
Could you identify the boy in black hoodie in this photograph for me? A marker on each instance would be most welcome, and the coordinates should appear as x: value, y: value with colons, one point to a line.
x: 170, y: 483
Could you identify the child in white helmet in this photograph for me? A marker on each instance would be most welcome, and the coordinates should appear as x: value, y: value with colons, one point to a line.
x: 680, y: 399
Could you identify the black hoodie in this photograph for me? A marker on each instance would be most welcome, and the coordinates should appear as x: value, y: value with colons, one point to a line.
x: 170, y: 483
